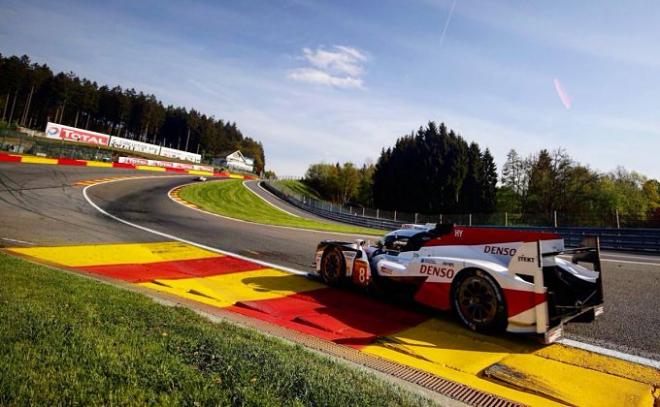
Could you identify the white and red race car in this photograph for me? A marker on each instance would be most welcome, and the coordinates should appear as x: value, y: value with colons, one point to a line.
x: 493, y: 279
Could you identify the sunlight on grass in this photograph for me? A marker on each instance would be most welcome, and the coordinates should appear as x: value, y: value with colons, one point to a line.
x: 231, y: 198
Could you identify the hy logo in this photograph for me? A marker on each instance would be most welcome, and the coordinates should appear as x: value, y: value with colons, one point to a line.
x: 52, y: 131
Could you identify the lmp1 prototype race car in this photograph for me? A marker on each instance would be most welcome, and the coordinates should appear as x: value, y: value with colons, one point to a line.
x: 493, y: 279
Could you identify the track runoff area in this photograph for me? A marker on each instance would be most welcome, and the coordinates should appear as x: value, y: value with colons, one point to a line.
x: 512, y: 370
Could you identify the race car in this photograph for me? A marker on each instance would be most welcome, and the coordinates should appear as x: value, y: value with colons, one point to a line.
x: 493, y: 279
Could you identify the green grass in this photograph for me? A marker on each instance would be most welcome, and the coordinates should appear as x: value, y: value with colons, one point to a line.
x: 231, y: 198
x: 299, y: 188
x: 69, y: 340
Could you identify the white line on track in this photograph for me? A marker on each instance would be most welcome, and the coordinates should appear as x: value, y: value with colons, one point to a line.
x: 609, y: 352
x: 563, y: 341
x: 16, y: 240
x: 267, y: 201
x: 172, y: 237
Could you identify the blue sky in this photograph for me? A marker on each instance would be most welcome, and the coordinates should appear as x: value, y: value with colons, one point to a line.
x: 338, y: 80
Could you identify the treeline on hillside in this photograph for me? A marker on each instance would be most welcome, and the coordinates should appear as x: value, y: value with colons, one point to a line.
x: 435, y: 171
x: 551, y: 181
x: 31, y: 95
x: 342, y: 183
x: 431, y: 171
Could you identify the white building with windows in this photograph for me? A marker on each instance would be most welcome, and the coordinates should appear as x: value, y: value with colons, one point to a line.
x: 235, y: 161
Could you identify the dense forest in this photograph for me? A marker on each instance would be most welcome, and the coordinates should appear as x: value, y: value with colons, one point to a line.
x: 432, y: 171
x: 31, y: 95
x: 436, y: 171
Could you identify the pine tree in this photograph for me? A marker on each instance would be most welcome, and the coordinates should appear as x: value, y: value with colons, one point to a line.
x: 488, y: 183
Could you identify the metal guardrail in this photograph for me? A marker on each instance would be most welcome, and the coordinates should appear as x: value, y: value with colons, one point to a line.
x: 625, y: 239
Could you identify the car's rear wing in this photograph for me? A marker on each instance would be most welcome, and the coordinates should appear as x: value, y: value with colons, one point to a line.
x: 589, y: 253
x: 527, y: 263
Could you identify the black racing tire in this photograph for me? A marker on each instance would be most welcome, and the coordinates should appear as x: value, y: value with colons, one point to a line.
x: 333, y: 267
x: 478, y: 301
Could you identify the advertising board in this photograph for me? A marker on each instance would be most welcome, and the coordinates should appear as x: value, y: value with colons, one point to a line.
x: 61, y: 132
x: 180, y: 155
x: 164, y: 164
x: 133, y: 145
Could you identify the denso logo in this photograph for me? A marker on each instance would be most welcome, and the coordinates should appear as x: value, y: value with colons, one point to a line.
x: 502, y: 251
x: 443, y: 272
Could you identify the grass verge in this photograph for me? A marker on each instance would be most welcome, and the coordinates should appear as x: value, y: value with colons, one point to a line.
x: 299, y: 188
x: 231, y: 198
x: 68, y: 340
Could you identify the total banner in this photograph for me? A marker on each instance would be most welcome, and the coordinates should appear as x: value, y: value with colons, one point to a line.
x: 164, y: 164
x: 180, y: 155
x: 133, y: 145
x: 61, y: 132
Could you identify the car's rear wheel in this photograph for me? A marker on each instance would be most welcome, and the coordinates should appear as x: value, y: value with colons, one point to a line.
x: 333, y: 267
x: 478, y: 302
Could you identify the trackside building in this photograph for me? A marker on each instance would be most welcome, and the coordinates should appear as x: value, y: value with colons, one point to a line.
x: 235, y: 161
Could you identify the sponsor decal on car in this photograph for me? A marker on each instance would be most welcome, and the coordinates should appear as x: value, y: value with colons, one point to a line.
x: 499, y: 250
x: 444, y: 272
x: 526, y: 259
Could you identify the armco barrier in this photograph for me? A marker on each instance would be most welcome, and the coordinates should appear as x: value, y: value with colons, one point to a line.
x: 628, y: 239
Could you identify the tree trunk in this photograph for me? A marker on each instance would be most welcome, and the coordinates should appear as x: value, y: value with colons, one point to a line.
x: 4, y: 110
x: 13, y: 105
x: 62, y: 112
x: 26, y: 110
x: 87, y: 123
x: 75, y: 122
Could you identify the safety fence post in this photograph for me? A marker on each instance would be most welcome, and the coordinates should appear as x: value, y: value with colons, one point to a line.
x: 506, y: 218
x: 377, y: 213
x: 395, y: 215
x: 555, y: 213
x: 618, y: 224
x: 363, y: 211
x: 441, y: 219
x: 415, y: 218
x: 470, y: 219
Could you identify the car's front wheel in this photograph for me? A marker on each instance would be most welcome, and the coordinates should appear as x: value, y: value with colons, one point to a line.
x: 333, y: 267
x: 478, y: 302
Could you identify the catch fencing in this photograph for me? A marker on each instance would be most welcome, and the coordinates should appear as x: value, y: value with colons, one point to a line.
x: 624, y: 239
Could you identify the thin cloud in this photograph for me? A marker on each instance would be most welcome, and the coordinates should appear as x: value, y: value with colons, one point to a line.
x: 341, y: 66
x: 317, y: 76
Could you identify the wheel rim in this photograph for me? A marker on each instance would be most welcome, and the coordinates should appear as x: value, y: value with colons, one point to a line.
x: 477, y: 300
x: 332, y: 266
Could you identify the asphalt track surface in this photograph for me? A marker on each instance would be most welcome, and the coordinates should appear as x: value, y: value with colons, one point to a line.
x: 40, y: 205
